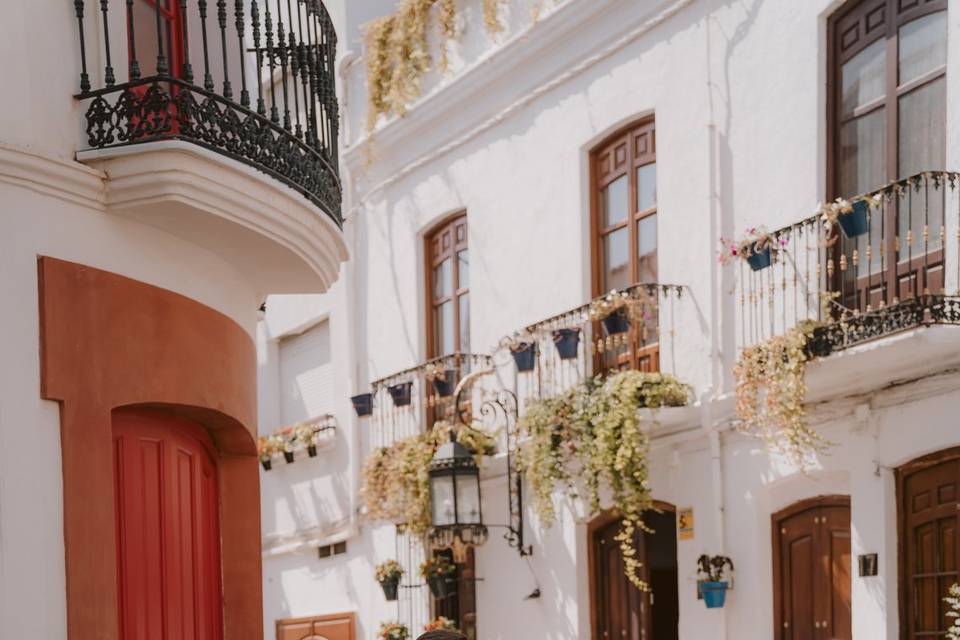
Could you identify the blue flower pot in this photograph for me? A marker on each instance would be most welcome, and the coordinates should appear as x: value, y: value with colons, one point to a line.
x: 390, y: 589
x: 400, y: 393
x: 714, y: 594
x: 363, y: 404
x: 616, y: 322
x: 525, y: 357
x: 854, y: 223
x: 445, y: 383
x: 759, y: 259
x: 566, y: 341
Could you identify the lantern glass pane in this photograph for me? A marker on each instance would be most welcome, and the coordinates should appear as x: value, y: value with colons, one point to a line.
x: 468, y: 499
x: 442, y: 500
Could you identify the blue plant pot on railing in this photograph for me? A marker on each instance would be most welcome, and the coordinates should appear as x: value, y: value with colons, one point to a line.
x: 400, y: 393
x: 616, y: 322
x: 525, y: 357
x: 390, y: 589
x: 363, y: 404
x: 566, y: 341
x: 444, y: 384
x: 714, y: 594
x: 759, y: 258
x: 854, y: 223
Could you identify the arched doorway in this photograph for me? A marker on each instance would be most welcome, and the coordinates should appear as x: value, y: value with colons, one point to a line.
x: 928, y: 497
x: 619, y: 610
x: 812, y: 570
x: 168, y: 534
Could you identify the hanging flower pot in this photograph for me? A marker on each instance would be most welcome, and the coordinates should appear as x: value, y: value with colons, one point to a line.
x: 617, y: 322
x: 267, y: 464
x: 363, y: 404
x: 400, y: 393
x: 390, y: 588
x: 566, y: 341
x: 312, y: 450
x: 445, y: 382
x: 288, y: 456
x: 760, y: 259
x: 525, y: 356
x: 442, y: 586
x: 854, y: 222
x: 714, y: 594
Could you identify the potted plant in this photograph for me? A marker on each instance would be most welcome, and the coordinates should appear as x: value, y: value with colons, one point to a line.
x: 711, y: 571
x: 953, y: 600
x: 400, y: 393
x: 566, y: 341
x: 851, y: 217
x: 662, y: 390
x: 440, y: 623
x: 757, y: 247
x: 284, y: 439
x: 613, y: 311
x: 444, y: 380
x: 523, y: 348
x: 388, y: 574
x: 439, y: 572
x: 265, y: 452
x: 363, y: 404
x: 306, y: 434
x: 393, y: 631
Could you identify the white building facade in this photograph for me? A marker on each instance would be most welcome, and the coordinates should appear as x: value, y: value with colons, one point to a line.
x: 598, y: 145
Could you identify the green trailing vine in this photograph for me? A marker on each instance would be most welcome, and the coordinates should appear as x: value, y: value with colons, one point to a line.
x: 770, y: 390
x: 596, y: 432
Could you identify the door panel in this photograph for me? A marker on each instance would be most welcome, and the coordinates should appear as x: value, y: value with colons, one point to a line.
x: 168, y: 542
x: 929, y: 512
x: 339, y: 626
x: 812, y: 571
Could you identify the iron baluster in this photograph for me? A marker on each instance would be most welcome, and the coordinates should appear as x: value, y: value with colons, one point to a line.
x: 134, y: 67
x: 255, y: 19
x: 187, y: 68
x: 304, y: 73
x: 207, y: 76
x: 84, y: 76
x: 222, y: 21
x: 268, y: 23
x: 294, y: 66
x: 161, y: 59
x: 282, y: 48
x: 311, y: 106
x: 238, y: 15
x: 108, y: 77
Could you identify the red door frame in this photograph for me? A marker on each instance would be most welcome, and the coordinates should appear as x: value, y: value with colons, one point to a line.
x: 173, y: 20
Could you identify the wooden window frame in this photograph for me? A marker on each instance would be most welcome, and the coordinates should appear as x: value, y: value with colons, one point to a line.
x: 432, y: 259
x: 903, y: 559
x: 348, y: 616
x: 638, y: 353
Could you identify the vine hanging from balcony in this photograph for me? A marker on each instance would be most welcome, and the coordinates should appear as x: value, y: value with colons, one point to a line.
x: 396, y: 481
x: 596, y: 432
x: 398, y: 51
x: 770, y: 390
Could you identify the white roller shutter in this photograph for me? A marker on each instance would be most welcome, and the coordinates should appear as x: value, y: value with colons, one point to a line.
x: 306, y: 375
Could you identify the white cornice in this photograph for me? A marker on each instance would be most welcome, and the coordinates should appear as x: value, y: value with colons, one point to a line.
x: 63, y: 179
x: 535, y: 61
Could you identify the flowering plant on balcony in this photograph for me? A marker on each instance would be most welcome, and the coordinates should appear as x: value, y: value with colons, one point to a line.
x: 754, y: 240
x: 440, y: 623
x: 518, y: 341
x: 636, y: 304
x: 305, y: 434
x: 393, y: 631
x: 388, y: 571
x: 266, y: 448
x: 953, y: 633
x: 437, y: 567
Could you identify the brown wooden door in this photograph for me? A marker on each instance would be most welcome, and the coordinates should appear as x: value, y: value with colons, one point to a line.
x: 812, y: 570
x: 620, y: 610
x: 929, y: 519
x: 338, y: 626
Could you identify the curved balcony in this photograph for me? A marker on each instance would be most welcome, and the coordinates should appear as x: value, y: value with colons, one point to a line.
x: 252, y: 81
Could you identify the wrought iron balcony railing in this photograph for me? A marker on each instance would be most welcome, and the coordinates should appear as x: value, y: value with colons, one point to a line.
x: 890, y: 262
x: 407, y: 402
x: 555, y: 354
x: 253, y: 80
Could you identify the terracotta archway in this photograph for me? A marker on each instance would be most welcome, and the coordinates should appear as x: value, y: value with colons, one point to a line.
x: 108, y: 342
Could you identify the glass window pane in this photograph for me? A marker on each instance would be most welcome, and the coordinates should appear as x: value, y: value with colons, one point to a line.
x: 468, y: 499
x: 614, y: 201
x: 464, y: 301
x: 923, y: 115
x: 443, y: 329
x: 463, y: 269
x: 862, y: 154
x: 442, y: 500
x: 443, y: 279
x: 923, y: 46
x: 647, y: 186
x: 863, y: 77
x: 616, y: 260
x: 647, y: 248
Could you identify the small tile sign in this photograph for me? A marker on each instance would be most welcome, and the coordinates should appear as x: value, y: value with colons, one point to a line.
x: 685, y: 523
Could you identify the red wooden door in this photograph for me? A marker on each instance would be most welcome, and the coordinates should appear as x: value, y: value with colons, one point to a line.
x: 812, y: 568
x: 621, y: 610
x: 930, y: 517
x: 168, y: 538
x: 338, y: 626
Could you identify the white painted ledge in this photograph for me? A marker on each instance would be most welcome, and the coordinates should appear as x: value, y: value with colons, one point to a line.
x: 270, y: 233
